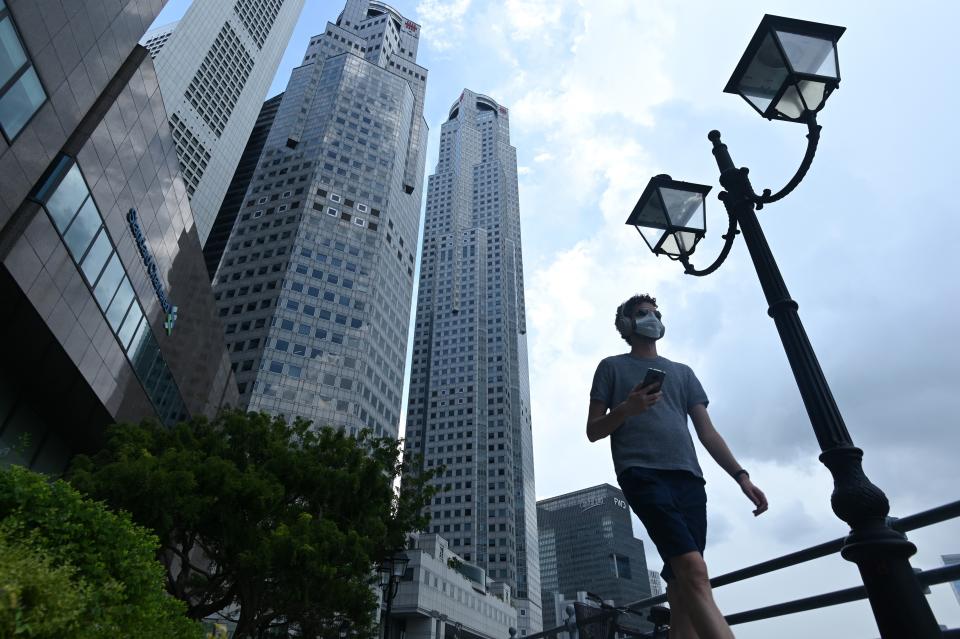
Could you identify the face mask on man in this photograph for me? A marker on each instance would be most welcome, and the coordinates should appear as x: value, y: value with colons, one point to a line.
x: 649, y: 326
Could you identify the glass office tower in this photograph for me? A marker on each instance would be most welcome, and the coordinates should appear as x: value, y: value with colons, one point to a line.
x: 215, y: 66
x: 469, y: 403
x: 587, y: 544
x: 233, y: 199
x: 315, y: 285
x: 106, y: 307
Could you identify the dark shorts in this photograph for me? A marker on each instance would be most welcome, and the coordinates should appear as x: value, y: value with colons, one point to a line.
x: 672, y: 505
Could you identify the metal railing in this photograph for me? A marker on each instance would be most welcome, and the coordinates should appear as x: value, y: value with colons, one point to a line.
x: 603, y: 623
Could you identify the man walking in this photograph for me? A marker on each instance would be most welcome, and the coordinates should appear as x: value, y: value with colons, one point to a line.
x: 656, y: 464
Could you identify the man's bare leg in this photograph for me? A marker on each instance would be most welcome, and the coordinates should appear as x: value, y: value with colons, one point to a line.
x: 680, y: 626
x: 696, y: 597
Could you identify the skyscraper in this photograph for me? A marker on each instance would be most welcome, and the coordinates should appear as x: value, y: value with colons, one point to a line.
x: 316, y: 282
x: 469, y: 403
x: 587, y: 544
x: 106, y: 305
x: 215, y: 66
x: 952, y: 560
x: 233, y: 199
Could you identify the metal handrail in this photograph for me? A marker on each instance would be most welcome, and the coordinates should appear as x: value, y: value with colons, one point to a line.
x: 919, y: 520
x: 926, y: 578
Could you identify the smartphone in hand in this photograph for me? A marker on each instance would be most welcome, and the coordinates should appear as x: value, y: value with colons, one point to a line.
x: 654, y: 376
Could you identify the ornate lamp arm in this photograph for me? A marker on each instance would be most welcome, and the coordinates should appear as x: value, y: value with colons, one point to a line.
x: 729, y: 237
x: 813, y: 138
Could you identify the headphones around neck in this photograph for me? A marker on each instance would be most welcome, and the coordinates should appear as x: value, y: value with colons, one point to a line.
x: 624, y: 323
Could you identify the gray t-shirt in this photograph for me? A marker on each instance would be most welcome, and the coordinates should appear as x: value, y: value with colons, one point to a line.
x: 658, y: 437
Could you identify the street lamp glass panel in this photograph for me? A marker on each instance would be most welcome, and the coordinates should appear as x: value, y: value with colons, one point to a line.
x: 679, y: 244
x: 808, y: 54
x: 804, y: 95
x: 651, y: 236
x: 400, y: 565
x: 685, y: 208
x: 763, y: 78
x: 652, y: 213
x: 385, y: 572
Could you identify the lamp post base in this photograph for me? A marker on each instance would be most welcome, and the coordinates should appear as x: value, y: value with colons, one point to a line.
x: 881, y: 553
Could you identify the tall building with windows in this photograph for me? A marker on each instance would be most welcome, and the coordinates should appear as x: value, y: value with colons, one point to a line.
x: 106, y: 305
x: 953, y: 560
x: 315, y: 285
x: 233, y: 199
x: 469, y: 402
x: 215, y: 66
x: 587, y: 544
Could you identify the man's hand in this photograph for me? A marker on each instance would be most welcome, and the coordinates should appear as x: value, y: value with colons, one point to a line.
x: 754, y: 494
x: 640, y: 399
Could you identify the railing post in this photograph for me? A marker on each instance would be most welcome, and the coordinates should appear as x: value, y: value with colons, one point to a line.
x: 571, y: 622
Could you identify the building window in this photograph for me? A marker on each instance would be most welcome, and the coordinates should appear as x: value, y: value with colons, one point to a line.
x: 21, y: 94
x: 65, y: 197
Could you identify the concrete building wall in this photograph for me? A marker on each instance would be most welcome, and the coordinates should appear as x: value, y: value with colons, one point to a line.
x: 434, y: 597
x: 469, y: 404
x: 92, y: 341
x: 214, y: 69
x: 587, y: 544
x: 233, y: 199
x: 315, y: 285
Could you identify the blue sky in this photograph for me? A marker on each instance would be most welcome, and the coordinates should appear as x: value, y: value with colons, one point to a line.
x: 602, y: 96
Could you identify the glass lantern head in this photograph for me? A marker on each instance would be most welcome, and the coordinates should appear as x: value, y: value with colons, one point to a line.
x: 400, y: 565
x: 671, y: 216
x: 789, y: 68
x: 386, y: 570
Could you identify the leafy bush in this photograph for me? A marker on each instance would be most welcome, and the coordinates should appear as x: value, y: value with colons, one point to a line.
x: 70, y: 568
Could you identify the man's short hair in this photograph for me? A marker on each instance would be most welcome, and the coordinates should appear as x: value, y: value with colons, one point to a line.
x: 629, y: 307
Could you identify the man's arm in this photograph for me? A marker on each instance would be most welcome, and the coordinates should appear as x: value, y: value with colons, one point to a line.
x: 600, y: 423
x: 720, y: 452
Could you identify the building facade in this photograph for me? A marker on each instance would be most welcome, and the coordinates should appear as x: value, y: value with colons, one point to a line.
x: 469, y: 402
x: 656, y: 583
x: 441, y: 596
x: 233, y: 199
x: 953, y: 560
x: 101, y: 273
x: 215, y: 66
x: 587, y: 544
x: 316, y: 282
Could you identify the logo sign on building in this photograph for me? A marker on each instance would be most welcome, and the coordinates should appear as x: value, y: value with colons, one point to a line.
x: 620, y: 503
x: 411, y: 27
x: 590, y: 501
x: 151, y: 265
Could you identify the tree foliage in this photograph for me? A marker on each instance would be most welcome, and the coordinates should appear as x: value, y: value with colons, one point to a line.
x: 281, y: 520
x: 71, y: 569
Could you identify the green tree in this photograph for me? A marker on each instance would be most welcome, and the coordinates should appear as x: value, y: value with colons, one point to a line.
x: 71, y: 569
x: 282, y: 520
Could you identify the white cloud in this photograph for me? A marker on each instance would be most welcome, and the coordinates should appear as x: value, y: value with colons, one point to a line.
x: 532, y: 19
x: 442, y: 22
x: 602, y: 96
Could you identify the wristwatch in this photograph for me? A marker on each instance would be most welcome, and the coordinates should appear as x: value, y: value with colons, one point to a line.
x: 736, y: 475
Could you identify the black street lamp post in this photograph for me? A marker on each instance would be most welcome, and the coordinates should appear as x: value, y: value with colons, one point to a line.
x: 787, y: 72
x: 391, y: 570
